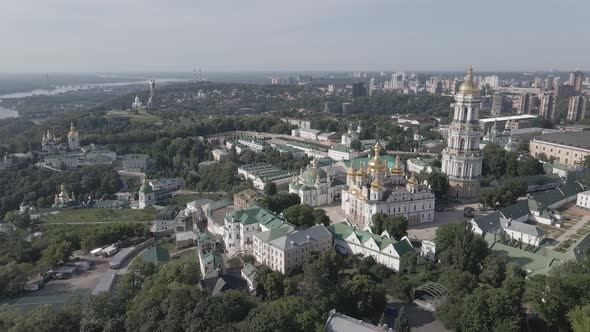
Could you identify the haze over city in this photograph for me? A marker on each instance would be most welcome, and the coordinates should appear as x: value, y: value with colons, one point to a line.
x: 178, y: 35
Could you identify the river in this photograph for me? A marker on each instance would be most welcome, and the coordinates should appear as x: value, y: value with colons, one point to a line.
x: 10, y: 113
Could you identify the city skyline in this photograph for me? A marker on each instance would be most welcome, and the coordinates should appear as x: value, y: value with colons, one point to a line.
x: 263, y: 35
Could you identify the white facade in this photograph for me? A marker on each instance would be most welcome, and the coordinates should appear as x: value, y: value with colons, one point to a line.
x: 583, y: 199
x: 315, y: 187
x: 352, y: 241
x: 220, y: 155
x: 167, y: 184
x: 311, y: 134
x: 462, y: 159
x: 375, y: 189
x: 285, y: 253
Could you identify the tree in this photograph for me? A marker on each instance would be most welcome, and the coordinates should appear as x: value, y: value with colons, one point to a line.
x: 362, y: 297
x: 559, y: 292
x: 401, y: 322
x: 279, y: 202
x: 320, y: 217
x: 270, y: 188
x: 269, y: 283
x: 356, y: 145
x: 21, y: 221
x: 396, y: 226
x: 12, y: 280
x: 460, y: 247
x: 299, y: 215
x: 494, y: 270
x: 101, y: 314
x: 56, y: 253
x: 529, y: 165
x: 439, y: 183
x: 579, y: 318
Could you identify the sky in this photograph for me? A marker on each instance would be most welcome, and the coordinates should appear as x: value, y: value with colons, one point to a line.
x: 296, y: 35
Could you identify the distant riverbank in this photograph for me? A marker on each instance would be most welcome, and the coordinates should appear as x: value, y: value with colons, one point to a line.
x: 6, y: 113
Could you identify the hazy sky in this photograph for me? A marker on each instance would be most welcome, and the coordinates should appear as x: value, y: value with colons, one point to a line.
x: 253, y: 35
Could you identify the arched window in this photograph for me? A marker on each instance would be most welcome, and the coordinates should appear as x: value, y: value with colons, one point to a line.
x: 462, y: 144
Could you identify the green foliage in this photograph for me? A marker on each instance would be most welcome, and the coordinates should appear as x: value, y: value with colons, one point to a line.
x: 579, y: 318
x: 305, y: 215
x: 554, y: 295
x: 37, y: 185
x: 401, y: 322
x: 93, y: 236
x: 270, y: 189
x: 56, y: 253
x: 499, y: 163
x: 439, y: 183
x: 42, y: 319
x: 362, y: 297
x: 396, y: 226
x: 506, y: 194
x: 269, y: 283
x: 279, y: 202
x: 458, y: 246
x: 12, y: 280
x: 356, y: 145
x: 101, y: 314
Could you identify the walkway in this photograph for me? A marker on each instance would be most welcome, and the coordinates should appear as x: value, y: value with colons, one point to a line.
x: 574, y: 229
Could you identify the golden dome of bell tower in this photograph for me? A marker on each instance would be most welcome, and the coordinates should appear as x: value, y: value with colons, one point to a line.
x: 469, y: 87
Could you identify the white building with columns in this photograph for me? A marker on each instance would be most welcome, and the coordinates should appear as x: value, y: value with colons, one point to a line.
x: 462, y: 159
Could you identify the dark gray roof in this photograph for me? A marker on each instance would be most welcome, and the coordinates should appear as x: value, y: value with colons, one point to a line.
x: 216, y: 285
x: 522, y: 227
x: 489, y: 223
x: 338, y: 322
x: 574, y: 139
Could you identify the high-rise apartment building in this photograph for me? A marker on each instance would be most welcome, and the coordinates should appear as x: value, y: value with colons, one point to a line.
x: 547, y: 106
x: 576, y: 109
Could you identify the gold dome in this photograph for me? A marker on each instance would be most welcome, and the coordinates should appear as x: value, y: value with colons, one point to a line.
x: 73, y: 131
x: 397, y: 169
x: 412, y: 179
x: 377, y: 164
x: 469, y: 87
x: 376, y: 184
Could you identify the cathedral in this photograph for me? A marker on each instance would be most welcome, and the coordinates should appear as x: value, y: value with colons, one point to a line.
x: 374, y: 188
x: 462, y: 159
x: 315, y: 187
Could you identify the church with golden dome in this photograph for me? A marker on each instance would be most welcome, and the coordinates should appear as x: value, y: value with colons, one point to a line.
x: 373, y: 187
x: 462, y: 159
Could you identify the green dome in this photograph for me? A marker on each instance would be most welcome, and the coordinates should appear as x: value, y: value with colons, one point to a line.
x: 145, y: 187
x: 311, y: 174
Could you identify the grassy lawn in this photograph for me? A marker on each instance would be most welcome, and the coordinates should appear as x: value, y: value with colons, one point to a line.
x: 181, y: 200
x: 101, y: 215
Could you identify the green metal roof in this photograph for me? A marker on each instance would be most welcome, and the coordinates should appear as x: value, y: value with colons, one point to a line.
x: 156, y: 255
x: 275, y: 233
x: 255, y: 214
x: 213, y: 258
x: 311, y: 174
x: 516, y: 210
x: 343, y: 230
